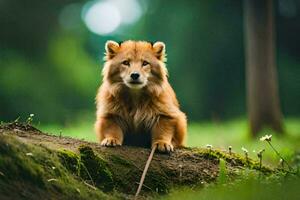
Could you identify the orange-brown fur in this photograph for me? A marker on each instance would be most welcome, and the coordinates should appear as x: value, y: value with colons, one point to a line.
x: 140, y: 114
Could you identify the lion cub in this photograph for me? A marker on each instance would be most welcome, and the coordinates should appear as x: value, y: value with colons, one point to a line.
x: 135, y: 103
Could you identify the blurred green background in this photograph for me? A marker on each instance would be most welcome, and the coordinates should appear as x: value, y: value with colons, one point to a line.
x: 51, y: 59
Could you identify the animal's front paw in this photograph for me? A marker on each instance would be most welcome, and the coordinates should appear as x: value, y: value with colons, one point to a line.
x: 110, y: 142
x: 163, y: 146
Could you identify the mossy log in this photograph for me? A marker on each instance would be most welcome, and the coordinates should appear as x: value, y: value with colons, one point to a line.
x: 36, y: 165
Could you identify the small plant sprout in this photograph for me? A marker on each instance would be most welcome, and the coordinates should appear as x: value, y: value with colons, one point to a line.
x: 260, y: 156
x: 230, y: 150
x: 268, y: 138
x: 209, y: 147
x: 30, y: 119
x: 246, y: 154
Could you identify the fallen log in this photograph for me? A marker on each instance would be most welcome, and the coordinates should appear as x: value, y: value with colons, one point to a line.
x: 37, y: 165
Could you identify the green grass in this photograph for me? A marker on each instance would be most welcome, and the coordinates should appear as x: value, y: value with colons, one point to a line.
x: 248, y: 188
x: 235, y: 133
x: 220, y: 135
x: 83, y: 129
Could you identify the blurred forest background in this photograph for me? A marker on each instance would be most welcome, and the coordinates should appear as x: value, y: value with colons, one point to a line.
x: 51, y: 55
x: 51, y: 59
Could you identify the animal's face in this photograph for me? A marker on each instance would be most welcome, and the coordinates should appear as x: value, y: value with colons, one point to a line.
x: 135, y: 64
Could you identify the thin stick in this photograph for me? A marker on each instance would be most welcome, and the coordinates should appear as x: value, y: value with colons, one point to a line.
x: 145, y: 172
x: 89, y: 185
x: 88, y: 173
x: 278, y: 154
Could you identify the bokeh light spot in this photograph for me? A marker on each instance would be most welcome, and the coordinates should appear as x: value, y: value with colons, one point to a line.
x: 101, y: 17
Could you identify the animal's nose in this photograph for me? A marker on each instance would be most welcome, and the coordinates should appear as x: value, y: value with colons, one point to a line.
x: 134, y: 76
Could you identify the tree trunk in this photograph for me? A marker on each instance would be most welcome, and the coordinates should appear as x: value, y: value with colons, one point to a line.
x: 262, y: 89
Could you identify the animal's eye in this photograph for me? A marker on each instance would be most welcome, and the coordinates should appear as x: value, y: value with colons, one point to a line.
x: 145, y: 63
x: 126, y: 62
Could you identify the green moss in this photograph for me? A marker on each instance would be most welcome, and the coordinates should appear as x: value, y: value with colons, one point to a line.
x: 90, y: 167
x: 94, y: 168
x: 235, y: 159
x: 16, y: 161
x: 70, y: 160
x: 40, y: 172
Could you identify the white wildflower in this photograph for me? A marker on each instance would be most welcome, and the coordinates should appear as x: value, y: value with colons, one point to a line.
x: 266, y: 138
x: 259, y: 154
x: 244, y: 150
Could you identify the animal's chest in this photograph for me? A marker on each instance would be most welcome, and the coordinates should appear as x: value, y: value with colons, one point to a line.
x: 131, y: 115
x: 142, y: 117
x: 137, y: 125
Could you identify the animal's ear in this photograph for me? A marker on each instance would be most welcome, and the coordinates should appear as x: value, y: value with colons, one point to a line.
x: 111, y: 48
x: 159, y: 49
